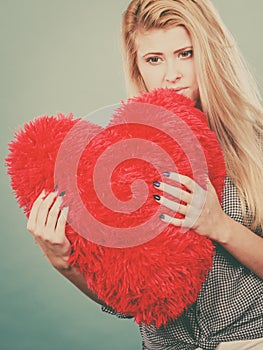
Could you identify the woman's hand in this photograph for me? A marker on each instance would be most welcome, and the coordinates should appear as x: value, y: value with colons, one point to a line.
x: 201, y: 212
x: 47, y: 222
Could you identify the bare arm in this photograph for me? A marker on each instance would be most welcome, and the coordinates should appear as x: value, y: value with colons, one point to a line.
x: 243, y: 244
x: 75, y: 277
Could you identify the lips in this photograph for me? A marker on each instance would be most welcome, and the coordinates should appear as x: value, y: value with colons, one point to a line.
x: 180, y: 90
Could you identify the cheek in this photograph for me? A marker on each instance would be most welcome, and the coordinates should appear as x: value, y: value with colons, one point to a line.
x: 193, y: 79
x: 150, y: 81
x: 196, y: 95
x: 191, y: 73
x: 195, y: 92
x: 196, y: 89
x: 152, y: 77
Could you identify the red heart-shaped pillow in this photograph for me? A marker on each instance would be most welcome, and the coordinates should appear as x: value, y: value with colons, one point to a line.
x: 134, y: 262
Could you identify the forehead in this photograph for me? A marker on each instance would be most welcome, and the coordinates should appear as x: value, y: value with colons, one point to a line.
x: 163, y: 40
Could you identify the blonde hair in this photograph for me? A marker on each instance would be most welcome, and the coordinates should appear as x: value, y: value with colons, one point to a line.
x: 228, y: 93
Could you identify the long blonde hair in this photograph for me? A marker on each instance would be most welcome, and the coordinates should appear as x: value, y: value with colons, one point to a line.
x: 229, y: 96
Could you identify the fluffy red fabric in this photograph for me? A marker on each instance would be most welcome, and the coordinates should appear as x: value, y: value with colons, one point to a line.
x: 154, y: 281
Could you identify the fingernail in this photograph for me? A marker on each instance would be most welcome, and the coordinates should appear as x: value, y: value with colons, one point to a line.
x: 156, y: 183
x: 156, y: 197
x: 62, y: 194
x: 166, y: 173
x: 162, y: 216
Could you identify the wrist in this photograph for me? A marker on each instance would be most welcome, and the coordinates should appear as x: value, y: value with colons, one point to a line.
x: 61, y: 264
x: 224, y: 230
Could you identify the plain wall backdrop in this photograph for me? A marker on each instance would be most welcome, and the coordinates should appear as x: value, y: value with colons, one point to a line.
x: 64, y: 56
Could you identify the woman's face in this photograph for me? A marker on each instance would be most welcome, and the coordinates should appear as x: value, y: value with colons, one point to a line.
x: 165, y: 60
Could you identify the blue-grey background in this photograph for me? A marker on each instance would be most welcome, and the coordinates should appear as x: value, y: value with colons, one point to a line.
x: 64, y: 55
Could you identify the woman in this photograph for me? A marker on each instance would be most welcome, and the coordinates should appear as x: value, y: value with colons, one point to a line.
x: 183, y: 45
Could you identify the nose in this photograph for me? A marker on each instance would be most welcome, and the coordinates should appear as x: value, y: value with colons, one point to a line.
x: 173, y: 72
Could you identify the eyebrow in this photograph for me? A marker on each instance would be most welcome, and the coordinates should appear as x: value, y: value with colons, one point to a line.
x: 175, y: 52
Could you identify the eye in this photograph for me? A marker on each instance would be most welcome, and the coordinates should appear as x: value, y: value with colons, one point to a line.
x: 186, y: 54
x: 154, y: 60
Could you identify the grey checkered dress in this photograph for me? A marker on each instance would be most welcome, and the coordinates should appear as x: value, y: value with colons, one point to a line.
x: 229, y: 306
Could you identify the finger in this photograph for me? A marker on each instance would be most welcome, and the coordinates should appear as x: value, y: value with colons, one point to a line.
x: 198, y: 194
x: 188, y: 182
x: 176, y: 192
x: 53, y: 215
x: 43, y: 211
x: 175, y: 206
x: 61, y: 223
x: 170, y: 220
x: 191, y: 213
x: 34, y: 211
x: 182, y: 223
